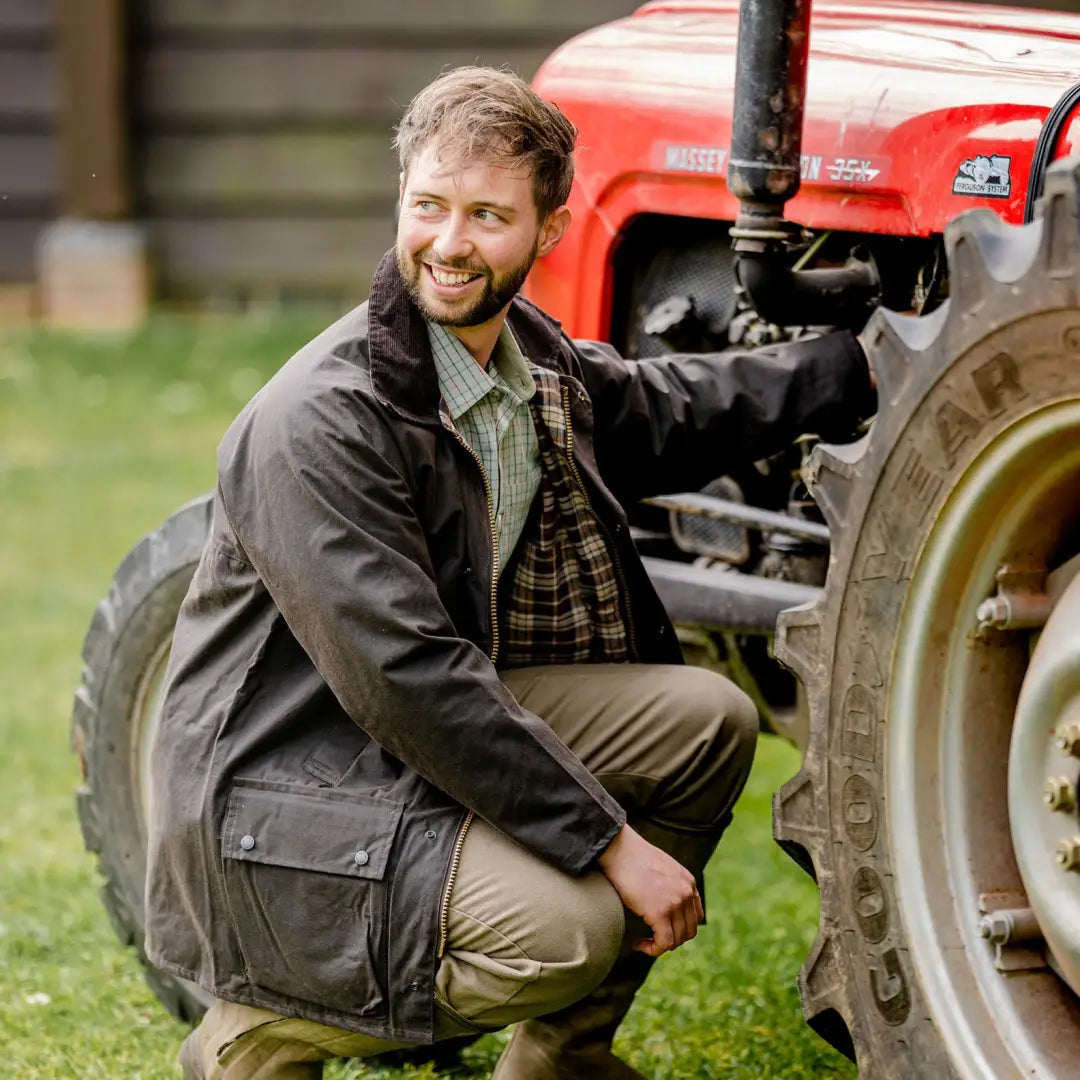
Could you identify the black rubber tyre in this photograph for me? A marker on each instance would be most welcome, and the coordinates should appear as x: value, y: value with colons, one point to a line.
x: 954, y: 387
x: 124, y: 654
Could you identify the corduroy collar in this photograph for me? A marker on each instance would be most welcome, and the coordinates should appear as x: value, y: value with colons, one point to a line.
x: 403, y: 374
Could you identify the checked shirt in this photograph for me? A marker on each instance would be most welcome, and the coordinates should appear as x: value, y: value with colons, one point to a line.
x: 490, y: 411
x: 561, y: 603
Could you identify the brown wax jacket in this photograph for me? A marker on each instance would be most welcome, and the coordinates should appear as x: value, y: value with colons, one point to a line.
x: 333, y: 710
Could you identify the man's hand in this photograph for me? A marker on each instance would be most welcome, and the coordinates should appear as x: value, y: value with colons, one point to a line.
x: 656, y: 887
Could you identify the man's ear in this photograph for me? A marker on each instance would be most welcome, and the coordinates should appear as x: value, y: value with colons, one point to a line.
x: 553, y: 230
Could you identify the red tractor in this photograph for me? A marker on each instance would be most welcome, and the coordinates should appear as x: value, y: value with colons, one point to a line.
x: 887, y: 167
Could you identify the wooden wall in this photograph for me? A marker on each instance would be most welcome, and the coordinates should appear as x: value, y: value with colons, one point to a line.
x: 262, y: 127
x: 29, y: 141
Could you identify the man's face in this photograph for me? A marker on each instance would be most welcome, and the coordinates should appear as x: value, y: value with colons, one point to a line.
x: 467, y: 237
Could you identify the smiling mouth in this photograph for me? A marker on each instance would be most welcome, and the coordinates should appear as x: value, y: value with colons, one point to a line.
x: 451, y: 278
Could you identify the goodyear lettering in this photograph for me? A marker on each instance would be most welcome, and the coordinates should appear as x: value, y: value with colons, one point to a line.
x: 867, y: 668
x: 892, y: 537
x: 869, y: 904
x: 997, y: 383
x: 891, y: 994
x: 881, y: 562
x: 857, y: 735
x: 695, y: 159
x: 997, y: 379
x: 860, y: 812
x: 923, y: 483
x: 954, y: 427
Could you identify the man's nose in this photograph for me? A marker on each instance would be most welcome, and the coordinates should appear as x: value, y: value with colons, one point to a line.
x: 453, y: 241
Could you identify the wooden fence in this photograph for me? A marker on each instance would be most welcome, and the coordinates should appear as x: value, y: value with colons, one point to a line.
x: 29, y: 140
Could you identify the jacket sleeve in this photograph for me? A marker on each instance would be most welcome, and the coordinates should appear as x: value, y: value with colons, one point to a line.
x: 316, y: 495
x: 672, y: 423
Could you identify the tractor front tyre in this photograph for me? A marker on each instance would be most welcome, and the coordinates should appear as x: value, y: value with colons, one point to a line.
x: 920, y: 805
x: 115, y: 716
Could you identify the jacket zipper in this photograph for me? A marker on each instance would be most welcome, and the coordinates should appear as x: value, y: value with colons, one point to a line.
x: 623, y: 591
x: 494, y: 655
x: 455, y: 858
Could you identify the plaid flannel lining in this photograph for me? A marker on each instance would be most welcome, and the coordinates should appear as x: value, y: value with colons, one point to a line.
x: 562, y: 604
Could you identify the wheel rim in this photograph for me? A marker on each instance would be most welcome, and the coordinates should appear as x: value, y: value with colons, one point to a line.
x: 145, y: 718
x: 950, y: 708
x: 1049, y: 703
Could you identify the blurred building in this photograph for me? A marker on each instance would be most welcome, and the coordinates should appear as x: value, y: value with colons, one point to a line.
x: 247, y: 139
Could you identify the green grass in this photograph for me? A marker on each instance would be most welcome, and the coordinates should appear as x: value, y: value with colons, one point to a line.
x: 99, y: 440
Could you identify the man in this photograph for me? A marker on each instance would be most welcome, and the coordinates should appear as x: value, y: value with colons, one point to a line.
x: 427, y: 764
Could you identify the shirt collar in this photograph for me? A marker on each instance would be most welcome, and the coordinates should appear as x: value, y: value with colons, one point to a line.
x: 398, y: 349
x: 463, y: 382
x: 512, y: 366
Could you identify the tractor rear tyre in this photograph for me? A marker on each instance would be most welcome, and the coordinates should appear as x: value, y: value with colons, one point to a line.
x: 918, y: 809
x: 116, y: 712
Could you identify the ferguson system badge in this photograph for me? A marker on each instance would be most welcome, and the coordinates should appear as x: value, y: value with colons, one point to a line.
x: 984, y: 176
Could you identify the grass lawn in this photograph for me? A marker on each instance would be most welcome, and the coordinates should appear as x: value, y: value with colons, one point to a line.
x: 100, y: 440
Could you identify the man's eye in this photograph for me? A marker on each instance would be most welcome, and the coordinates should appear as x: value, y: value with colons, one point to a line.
x: 488, y: 216
x: 426, y: 206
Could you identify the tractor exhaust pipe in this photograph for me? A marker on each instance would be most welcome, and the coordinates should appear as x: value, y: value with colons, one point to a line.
x: 766, y: 142
x: 764, y: 172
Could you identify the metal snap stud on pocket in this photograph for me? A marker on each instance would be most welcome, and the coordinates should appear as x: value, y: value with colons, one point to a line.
x: 361, y: 858
x: 247, y: 842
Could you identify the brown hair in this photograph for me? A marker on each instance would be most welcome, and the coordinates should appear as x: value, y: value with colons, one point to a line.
x: 492, y: 115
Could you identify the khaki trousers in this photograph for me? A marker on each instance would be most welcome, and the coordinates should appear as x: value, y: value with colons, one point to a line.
x: 672, y: 744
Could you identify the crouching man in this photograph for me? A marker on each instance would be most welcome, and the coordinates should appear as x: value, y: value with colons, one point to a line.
x: 428, y: 763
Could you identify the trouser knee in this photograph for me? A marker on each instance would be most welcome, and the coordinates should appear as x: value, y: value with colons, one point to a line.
x: 572, y: 941
x: 600, y: 942
x: 713, y: 735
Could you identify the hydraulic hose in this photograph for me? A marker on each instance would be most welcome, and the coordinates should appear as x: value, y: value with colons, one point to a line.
x: 1045, y: 147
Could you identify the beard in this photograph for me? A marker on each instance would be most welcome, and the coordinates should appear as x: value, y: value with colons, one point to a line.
x: 496, y: 293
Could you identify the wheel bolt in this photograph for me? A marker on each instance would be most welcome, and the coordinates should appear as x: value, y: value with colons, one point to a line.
x: 995, y: 929
x: 1067, y: 855
x: 1010, y: 926
x: 1068, y: 738
x: 993, y: 612
x: 1059, y: 794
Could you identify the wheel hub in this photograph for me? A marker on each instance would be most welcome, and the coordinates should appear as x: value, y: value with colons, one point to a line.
x: 1043, y: 774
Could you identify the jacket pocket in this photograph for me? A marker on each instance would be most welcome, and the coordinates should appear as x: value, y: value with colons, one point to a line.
x: 336, y: 754
x: 303, y: 870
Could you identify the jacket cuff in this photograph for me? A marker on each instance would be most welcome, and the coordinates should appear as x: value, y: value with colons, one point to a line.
x: 587, y: 860
x: 852, y: 397
x: 860, y: 390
